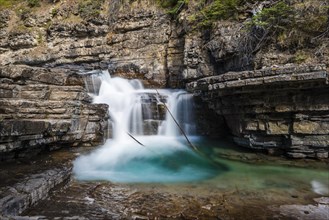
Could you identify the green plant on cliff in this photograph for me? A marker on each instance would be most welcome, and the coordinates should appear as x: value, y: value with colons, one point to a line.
x: 90, y: 8
x: 209, y: 12
x: 54, y: 12
x: 271, y: 24
x: 291, y: 27
x: 222, y: 9
x: 275, y: 19
x: 300, y: 57
x: 33, y: 3
x: 173, y: 6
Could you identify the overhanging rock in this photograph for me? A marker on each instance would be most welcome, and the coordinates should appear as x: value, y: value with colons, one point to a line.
x: 280, y: 109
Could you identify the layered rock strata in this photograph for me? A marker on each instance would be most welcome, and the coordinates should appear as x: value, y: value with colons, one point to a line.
x: 279, y: 109
x: 46, y: 109
x: 133, y: 38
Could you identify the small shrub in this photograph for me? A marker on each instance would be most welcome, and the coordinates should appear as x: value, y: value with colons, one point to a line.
x: 300, y: 57
x: 272, y: 25
x: 23, y: 12
x: 211, y: 11
x: 274, y: 19
x: 33, y: 3
x: 173, y: 6
x: 168, y: 3
x: 90, y: 8
x: 222, y: 9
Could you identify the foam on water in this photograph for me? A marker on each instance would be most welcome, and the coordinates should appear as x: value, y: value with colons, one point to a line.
x: 161, y: 159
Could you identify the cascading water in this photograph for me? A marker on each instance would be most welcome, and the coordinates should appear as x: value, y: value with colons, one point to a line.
x: 180, y: 106
x: 133, y: 156
x: 147, y: 145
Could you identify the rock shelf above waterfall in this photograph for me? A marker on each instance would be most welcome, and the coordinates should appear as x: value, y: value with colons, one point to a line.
x: 280, y: 109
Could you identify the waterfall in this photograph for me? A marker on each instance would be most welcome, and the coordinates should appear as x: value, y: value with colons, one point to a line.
x: 180, y: 104
x: 131, y: 106
x: 141, y: 115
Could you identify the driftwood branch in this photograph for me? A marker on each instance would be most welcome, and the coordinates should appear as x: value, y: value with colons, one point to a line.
x: 180, y: 128
x: 130, y: 135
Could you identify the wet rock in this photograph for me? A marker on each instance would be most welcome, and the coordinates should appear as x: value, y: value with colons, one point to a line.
x: 151, y: 127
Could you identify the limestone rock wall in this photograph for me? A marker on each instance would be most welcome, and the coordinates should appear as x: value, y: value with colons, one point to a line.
x: 135, y: 38
x: 279, y: 109
x: 46, y: 109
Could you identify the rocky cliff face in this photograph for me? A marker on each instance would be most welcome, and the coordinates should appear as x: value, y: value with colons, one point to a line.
x: 135, y: 39
x: 282, y: 110
x: 138, y: 39
x: 46, y: 109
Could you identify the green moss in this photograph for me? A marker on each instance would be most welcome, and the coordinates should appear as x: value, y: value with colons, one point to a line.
x: 40, y: 38
x: 73, y: 19
x: 22, y: 12
x: 20, y: 29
